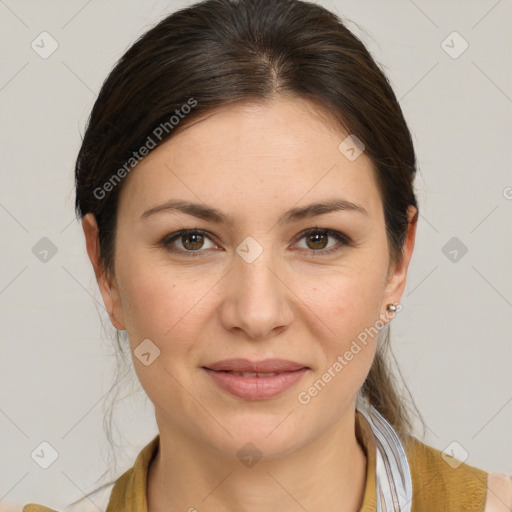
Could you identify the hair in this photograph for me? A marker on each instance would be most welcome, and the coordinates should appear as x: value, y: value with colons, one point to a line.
x: 216, y: 53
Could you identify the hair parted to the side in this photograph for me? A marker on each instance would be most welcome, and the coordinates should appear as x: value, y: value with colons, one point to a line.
x: 221, y: 52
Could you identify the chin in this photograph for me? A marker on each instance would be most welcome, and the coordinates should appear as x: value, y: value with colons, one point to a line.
x: 254, y: 435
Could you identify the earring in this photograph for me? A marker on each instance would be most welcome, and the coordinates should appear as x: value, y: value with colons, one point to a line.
x: 391, y: 308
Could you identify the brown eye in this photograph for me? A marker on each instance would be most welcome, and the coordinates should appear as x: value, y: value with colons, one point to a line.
x: 317, y: 241
x: 191, y: 241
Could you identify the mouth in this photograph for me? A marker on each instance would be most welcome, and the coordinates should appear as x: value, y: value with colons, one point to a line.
x: 240, y: 365
x: 249, y: 374
x: 255, y: 380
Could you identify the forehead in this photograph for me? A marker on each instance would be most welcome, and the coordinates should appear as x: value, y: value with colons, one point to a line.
x: 250, y: 154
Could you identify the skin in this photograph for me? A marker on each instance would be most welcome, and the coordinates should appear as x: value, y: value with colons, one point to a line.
x: 254, y: 162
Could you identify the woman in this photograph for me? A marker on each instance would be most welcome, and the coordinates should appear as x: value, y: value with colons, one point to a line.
x: 245, y: 185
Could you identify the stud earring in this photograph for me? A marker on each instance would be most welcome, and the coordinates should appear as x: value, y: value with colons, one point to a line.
x: 391, y: 308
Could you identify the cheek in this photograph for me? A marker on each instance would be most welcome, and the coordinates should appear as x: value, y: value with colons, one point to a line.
x: 167, y: 304
x: 348, y: 334
x: 156, y: 305
x: 348, y: 300
x: 345, y: 307
x: 159, y: 306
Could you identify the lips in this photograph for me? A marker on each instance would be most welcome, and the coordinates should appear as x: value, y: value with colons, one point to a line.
x: 252, y: 374
x: 247, y: 368
x: 255, y: 380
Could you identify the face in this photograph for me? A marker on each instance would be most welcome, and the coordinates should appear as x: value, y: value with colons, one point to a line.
x: 252, y: 282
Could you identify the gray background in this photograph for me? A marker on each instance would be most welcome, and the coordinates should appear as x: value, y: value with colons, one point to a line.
x: 453, y: 337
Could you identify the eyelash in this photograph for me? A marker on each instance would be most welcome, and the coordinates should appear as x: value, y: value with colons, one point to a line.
x: 343, y: 239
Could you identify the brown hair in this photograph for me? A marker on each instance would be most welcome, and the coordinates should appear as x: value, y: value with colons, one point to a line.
x: 220, y: 52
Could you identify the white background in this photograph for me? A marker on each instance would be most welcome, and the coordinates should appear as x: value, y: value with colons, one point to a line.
x: 453, y: 337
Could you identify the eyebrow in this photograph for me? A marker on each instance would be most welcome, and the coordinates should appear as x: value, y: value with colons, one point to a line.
x: 208, y: 213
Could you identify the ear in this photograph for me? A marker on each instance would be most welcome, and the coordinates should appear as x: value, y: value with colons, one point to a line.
x: 108, y: 287
x: 398, y: 274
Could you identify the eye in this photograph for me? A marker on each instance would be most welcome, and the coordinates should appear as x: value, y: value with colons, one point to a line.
x: 317, y: 239
x: 192, y: 240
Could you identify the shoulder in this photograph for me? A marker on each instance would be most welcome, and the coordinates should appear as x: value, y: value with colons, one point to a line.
x: 442, y: 482
x: 499, y: 496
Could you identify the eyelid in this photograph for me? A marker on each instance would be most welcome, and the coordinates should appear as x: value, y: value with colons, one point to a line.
x: 338, y: 235
x: 169, y: 239
x: 342, y: 239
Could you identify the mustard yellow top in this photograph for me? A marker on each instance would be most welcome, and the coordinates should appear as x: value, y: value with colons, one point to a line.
x: 437, y: 485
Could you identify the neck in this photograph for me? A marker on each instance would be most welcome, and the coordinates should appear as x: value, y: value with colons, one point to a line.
x: 327, y: 474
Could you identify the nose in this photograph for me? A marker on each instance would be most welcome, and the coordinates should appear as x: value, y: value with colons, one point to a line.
x: 257, y: 300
